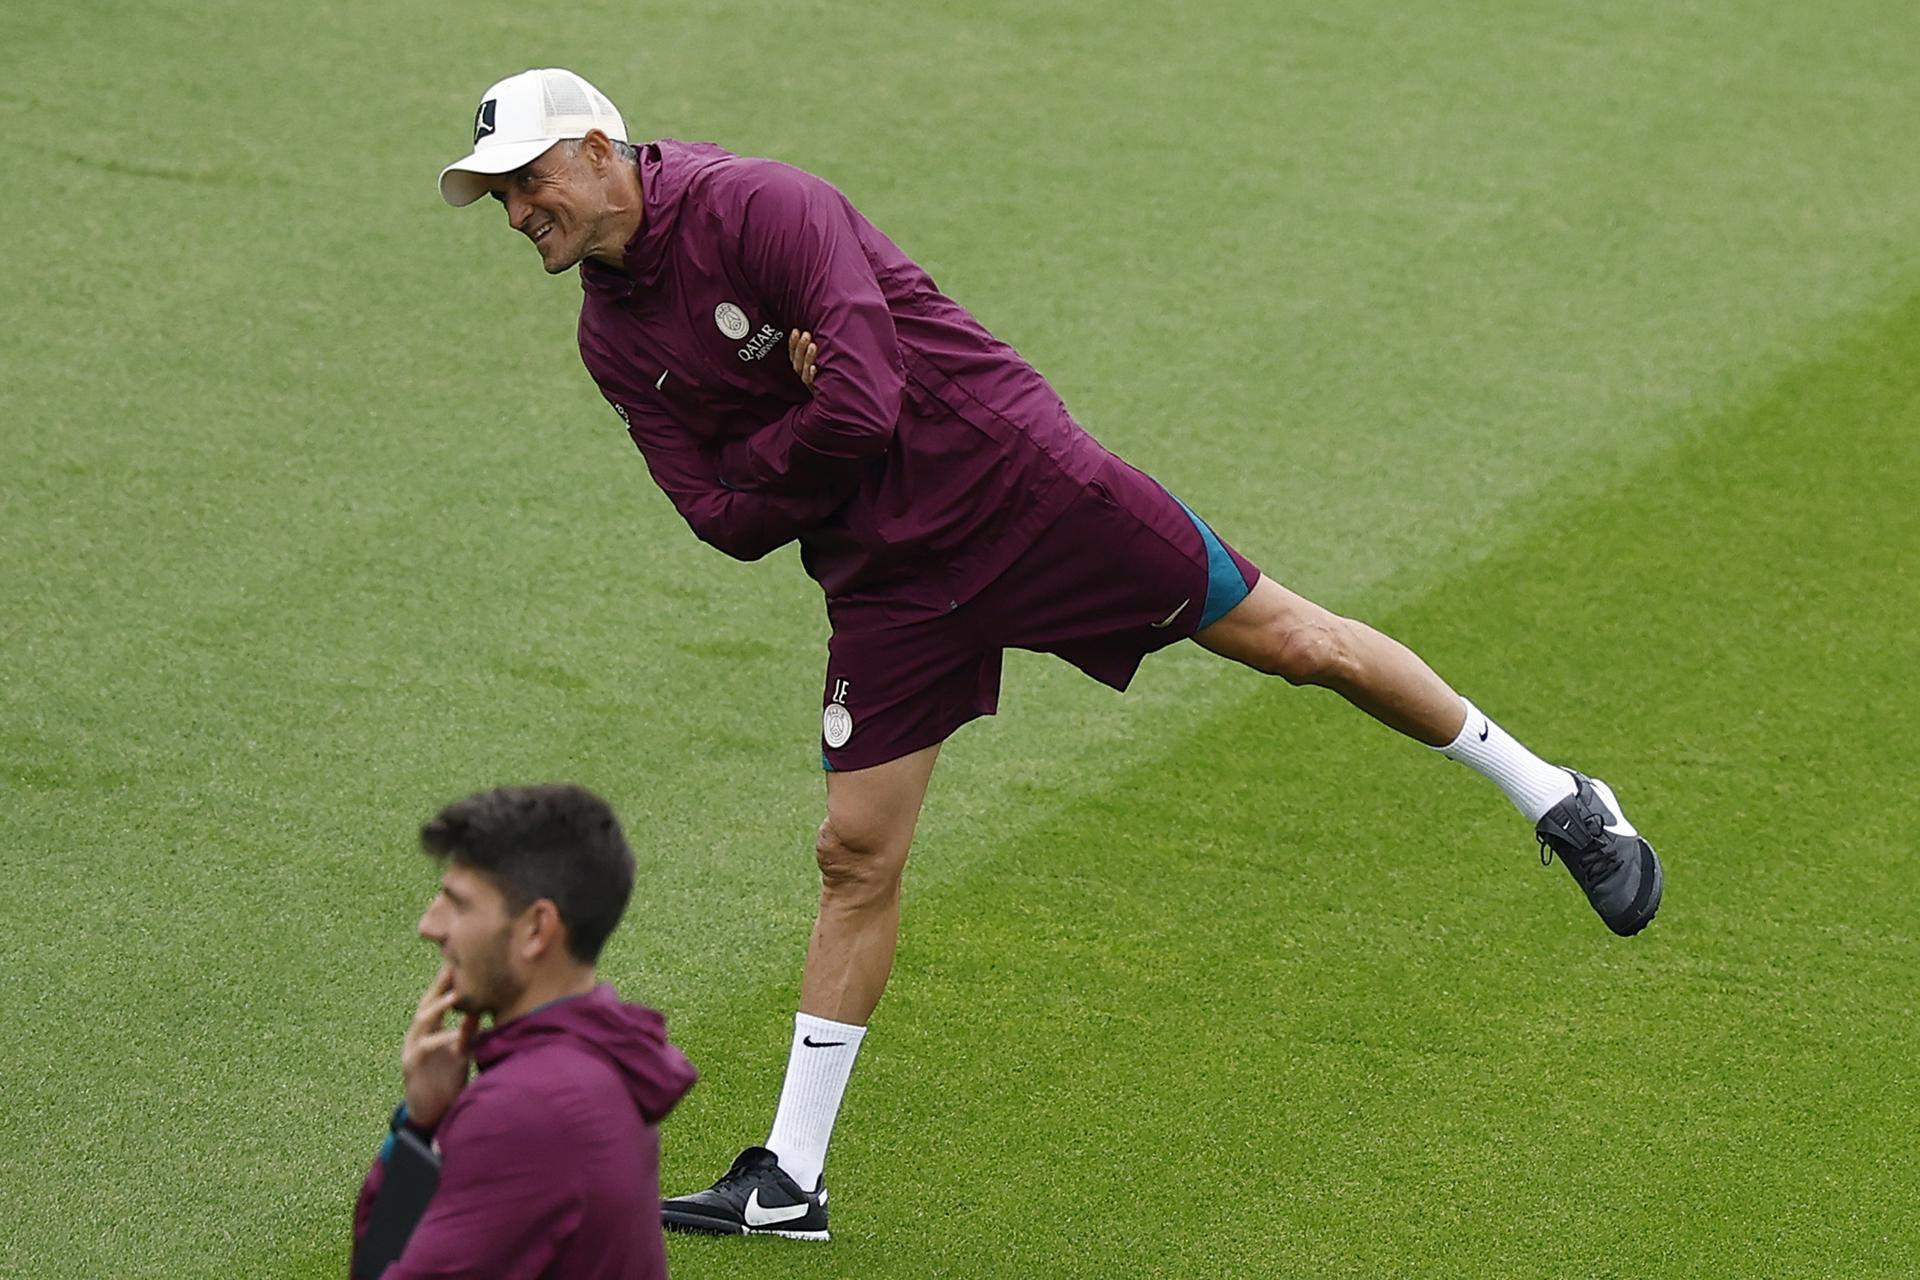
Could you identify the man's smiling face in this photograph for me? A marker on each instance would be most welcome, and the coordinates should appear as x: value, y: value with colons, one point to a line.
x: 558, y: 201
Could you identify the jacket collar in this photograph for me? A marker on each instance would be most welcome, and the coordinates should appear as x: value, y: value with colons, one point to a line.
x: 496, y: 1043
x: 646, y: 253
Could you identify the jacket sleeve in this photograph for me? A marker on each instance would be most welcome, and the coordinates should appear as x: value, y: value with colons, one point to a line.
x: 744, y: 525
x: 363, y: 1206
x: 370, y: 1188
x: 505, y: 1202
x: 800, y: 252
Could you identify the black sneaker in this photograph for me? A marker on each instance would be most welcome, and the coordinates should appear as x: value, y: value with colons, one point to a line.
x: 754, y: 1198
x: 1609, y: 860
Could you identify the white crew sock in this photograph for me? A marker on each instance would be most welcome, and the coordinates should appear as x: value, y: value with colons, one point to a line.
x: 817, y: 1071
x: 1531, y: 783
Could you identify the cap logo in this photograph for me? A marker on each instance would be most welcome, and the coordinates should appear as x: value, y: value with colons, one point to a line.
x: 483, y: 119
x: 731, y: 319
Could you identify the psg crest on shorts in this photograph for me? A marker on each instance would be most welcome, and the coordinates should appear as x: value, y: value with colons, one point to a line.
x: 836, y: 725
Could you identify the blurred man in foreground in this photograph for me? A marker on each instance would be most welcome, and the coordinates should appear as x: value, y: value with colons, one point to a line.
x: 550, y: 1155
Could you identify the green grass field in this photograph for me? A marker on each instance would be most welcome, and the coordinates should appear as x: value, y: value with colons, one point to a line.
x: 1579, y: 347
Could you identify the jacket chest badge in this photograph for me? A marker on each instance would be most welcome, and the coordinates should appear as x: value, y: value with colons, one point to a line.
x: 732, y: 320
x: 733, y: 325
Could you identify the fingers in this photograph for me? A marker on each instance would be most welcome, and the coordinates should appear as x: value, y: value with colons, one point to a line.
x: 803, y: 351
x: 433, y: 1008
x: 453, y: 1038
x: 442, y: 982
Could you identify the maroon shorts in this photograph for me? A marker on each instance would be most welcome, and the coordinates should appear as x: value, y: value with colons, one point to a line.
x: 1126, y: 570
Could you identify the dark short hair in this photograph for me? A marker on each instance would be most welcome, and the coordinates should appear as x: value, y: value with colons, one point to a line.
x: 559, y: 842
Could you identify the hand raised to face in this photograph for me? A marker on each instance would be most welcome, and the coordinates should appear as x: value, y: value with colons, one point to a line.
x: 435, y: 1058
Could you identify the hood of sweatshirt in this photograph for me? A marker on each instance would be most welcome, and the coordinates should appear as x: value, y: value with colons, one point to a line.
x: 630, y: 1036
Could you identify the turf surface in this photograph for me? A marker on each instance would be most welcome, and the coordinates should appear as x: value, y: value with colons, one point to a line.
x: 1579, y: 349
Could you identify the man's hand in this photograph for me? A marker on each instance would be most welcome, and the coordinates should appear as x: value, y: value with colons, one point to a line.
x: 433, y: 1060
x: 801, y: 349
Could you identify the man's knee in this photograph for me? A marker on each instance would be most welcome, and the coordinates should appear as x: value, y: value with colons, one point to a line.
x: 858, y: 865
x: 1317, y: 650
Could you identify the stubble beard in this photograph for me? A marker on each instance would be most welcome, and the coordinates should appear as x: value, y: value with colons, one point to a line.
x: 489, y: 985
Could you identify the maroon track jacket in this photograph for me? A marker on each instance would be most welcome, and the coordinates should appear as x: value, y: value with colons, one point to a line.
x: 928, y: 456
x: 550, y: 1159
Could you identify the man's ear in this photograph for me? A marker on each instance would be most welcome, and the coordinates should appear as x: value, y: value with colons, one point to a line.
x: 598, y: 149
x: 543, y: 931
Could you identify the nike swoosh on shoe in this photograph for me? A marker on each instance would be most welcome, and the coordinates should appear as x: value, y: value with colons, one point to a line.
x: 1619, y: 826
x: 757, y: 1215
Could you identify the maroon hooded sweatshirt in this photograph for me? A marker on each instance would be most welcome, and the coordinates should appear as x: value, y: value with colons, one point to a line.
x: 928, y: 456
x: 550, y: 1158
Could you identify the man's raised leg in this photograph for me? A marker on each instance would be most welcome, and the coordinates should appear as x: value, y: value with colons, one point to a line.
x: 862, y: 850
x: 1281, y: 633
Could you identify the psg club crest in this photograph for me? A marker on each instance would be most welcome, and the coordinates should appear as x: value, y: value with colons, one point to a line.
x: 732, y: 320
x: 836, y: 725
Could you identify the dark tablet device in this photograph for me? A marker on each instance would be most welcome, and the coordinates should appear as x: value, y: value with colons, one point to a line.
x: 413, y: 1174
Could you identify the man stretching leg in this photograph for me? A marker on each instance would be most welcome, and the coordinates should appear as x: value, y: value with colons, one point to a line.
x: 789, y: 374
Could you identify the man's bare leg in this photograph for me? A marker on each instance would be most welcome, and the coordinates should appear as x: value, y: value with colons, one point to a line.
x: 1287, y: 635
x: 1579, y: 818
x: 1284, y: 634
x: 862, y: 849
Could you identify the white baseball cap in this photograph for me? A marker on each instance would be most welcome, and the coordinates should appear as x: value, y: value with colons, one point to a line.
x: 521, y: 117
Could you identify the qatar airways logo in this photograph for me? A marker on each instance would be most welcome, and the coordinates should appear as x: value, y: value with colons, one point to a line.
x: 760, y: 344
